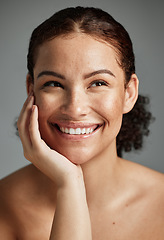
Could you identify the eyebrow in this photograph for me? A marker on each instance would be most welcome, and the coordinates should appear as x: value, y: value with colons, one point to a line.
x: 58, y: 75
x: 50, y: 73
x: 102, y: 71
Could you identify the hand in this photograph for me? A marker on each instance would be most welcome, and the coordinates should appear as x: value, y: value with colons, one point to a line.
x: 51, y: 163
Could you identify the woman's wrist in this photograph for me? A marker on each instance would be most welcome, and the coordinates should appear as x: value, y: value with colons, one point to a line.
x: 73, y: 185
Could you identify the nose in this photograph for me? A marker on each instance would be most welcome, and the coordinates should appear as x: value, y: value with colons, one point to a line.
x: 75, y: 104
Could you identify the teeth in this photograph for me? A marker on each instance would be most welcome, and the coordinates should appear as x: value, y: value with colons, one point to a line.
x: 71, y: 131
x: 76, y: 131
x: 88, y: 131
x: 83, y: 131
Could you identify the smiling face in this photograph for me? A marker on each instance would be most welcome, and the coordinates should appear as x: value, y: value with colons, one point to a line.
x: 79, y: 90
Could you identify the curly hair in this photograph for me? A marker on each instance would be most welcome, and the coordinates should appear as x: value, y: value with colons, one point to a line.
x: 134, y: 127
x: 101, y: 26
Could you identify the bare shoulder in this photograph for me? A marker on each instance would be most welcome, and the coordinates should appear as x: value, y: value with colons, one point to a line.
x: 22, y: 187
x: 148, y: 177
x: 147, y: 198
x: 17, y: 192
x: 150, y: 185
x: 16, y: 185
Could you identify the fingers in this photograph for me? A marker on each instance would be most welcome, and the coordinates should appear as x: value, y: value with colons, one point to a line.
x: 29, y: 98
x: 34, y: 128
x: 23, y: 122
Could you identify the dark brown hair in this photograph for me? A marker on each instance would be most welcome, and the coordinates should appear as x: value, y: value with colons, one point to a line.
x: 91, y: 21
x: 102, y: 26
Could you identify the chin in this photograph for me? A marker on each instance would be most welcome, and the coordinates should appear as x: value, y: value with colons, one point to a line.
x: 75, y: 157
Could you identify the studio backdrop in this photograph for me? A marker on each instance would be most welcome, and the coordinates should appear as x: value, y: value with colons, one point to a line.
x: 143, y: 19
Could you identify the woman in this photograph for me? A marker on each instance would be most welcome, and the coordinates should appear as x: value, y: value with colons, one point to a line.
x: 81, y: 81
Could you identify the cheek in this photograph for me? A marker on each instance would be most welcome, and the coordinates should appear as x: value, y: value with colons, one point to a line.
x: 111, y: 110
x: 43, y: 107
x: 46, y: 104
x: 46, y: 108
x: 110, y: 107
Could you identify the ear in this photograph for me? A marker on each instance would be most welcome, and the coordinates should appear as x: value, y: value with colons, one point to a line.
x: 29, y: 84
x: 131, y: 94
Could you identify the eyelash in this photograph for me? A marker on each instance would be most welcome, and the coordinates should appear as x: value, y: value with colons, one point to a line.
x: 98, y: 83
x: 55, y: 84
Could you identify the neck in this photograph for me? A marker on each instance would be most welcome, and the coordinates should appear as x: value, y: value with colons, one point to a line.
x: 101, y: 177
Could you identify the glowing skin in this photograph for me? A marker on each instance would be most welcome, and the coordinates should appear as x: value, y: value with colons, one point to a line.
x: 71, y: 93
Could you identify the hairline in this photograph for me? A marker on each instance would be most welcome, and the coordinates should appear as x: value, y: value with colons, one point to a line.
x: 72, y: 34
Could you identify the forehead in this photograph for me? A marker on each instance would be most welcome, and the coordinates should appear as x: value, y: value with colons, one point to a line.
x: 76, y: 42
x: 78, y: 51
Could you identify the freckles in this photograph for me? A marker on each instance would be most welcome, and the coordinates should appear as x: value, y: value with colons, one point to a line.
x: 44, y: 107
x: 47, y: 106
x: 110, y: 105
x: 43, y: 101
x: 111, y: 110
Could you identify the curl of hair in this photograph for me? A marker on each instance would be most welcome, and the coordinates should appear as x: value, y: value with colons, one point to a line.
x: 134, y: 127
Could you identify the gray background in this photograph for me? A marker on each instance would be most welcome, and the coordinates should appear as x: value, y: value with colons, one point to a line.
x: 144, y: 21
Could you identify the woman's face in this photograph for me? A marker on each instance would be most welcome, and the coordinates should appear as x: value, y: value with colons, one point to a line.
x: 79, y: 90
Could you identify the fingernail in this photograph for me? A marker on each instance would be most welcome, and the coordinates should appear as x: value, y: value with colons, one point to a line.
x: 30, y: 98
x: 33, y: 108
x: 31, y: 93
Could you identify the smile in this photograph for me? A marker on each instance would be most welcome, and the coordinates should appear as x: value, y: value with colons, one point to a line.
x: 77, y: 130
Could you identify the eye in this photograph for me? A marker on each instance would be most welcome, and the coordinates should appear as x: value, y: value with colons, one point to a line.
x: 99, y: 83
x: 53, y: 84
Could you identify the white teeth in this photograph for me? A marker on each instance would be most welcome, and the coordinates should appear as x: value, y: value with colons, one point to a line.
x: 62, y: 129
x: 91, y: 130
x: 88, y: 131
x: 66, y: 130
x: 71, y: 131
x: 83, y: 131
x: 76, y: 131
